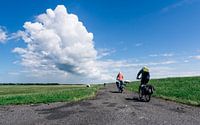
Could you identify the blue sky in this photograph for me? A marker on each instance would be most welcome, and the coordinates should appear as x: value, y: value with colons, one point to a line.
x: 164, y: 35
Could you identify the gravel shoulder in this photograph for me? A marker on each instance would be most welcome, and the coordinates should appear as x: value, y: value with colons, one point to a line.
x: 107, y: 108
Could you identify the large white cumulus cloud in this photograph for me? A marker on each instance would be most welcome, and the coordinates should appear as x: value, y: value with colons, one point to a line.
x: 58, y: 41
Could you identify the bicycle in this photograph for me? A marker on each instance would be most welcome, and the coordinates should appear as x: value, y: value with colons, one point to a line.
x: 145, y: 92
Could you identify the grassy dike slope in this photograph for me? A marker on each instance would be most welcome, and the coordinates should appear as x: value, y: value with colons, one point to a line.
x: 32, y: 94
x: 184, y: 89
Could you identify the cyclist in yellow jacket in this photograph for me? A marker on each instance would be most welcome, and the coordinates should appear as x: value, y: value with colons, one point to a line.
x: 145, y: 76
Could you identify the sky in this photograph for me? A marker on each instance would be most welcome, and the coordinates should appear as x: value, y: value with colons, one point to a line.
x: 87, y: 41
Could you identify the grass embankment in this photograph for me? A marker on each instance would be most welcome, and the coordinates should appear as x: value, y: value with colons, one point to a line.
x: 184, y: 89
x: 32, y: 94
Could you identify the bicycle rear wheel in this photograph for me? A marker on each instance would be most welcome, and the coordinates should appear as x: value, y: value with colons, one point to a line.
x: 148, y: 97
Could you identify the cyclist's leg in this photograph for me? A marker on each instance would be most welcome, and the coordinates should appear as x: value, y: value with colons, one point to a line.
x: 146, y: 81
x: 140, y: 91
x: 121, y: 83
x: 140, y: 87
x: 117, y: 84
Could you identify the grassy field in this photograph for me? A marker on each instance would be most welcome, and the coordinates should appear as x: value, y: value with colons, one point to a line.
x: 32, y: 94
x: 184, y: 90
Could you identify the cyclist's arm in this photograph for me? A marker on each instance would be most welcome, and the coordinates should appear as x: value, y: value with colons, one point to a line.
x: 139, y: 74
x: 117, y: 77
x: 149, y: 75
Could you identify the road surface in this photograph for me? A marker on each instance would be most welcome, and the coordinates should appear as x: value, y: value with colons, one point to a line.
x: 107, y: 108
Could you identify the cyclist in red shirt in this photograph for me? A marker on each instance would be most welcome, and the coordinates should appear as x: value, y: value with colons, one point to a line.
x: 120, y: 82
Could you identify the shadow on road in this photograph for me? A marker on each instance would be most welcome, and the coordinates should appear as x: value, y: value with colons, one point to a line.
x: 135, y: 99
x: 63, y: 111
x: 114, y: 91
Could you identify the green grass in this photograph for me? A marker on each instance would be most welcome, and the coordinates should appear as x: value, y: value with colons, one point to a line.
x: 32, y: 94
x: 184, y: 89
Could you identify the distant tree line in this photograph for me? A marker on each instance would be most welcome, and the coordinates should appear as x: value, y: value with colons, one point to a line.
x: 29, y: 84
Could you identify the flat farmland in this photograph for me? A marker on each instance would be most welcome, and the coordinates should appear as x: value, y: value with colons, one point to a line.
x: 32, y: 94
x: 181, y: 89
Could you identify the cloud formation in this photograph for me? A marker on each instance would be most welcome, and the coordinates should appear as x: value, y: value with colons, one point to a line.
x: 3, y: 35
x: 177, y: 4
x: 197, y: 57
x: 105, y: 52
x: 58, y: 46
x: 138, y: 44
x: 59, y: 42
x: 162, y: 55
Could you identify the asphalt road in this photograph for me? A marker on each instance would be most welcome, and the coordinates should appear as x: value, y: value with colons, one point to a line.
x: 108, y: 108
